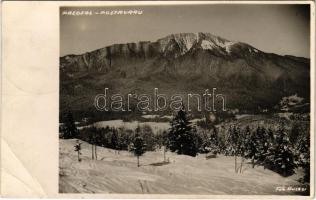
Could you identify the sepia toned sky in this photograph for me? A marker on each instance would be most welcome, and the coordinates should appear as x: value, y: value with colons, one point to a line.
x: 281, y: 29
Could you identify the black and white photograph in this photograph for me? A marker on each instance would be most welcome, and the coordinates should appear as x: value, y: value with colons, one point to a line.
x: 185, y: 99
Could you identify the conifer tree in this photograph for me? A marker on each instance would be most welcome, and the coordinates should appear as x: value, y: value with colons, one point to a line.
x: 303, y: 150
x: 181, y: 137
x: 138, y: 147
x: 294, y: 134
x: 213, y: 140
x: 232, y: 143
x: 229, y: 142
x: 263, y: 143
x: 209, y: 137
x: 70, y: 130
x: 280, y: 157
x: 251, y: 146
x: 241, y: 147
x: 237, y: 145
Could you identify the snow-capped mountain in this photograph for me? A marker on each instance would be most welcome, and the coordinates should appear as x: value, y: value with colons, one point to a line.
x: 173, y: 45
x: 187, y: 41
x: 184, y: 62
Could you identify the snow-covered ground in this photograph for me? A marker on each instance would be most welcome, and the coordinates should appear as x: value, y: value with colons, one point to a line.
x: 285, y: 115
x: 167, y: 116
x: 118, y: 173
x: 242, y: 116
x: 150, y: 116
x: 157, y: 127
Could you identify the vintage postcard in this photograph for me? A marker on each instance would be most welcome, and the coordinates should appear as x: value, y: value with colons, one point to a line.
x: 172, y: 99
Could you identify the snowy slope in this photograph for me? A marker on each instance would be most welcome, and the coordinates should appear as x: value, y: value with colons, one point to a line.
x: 118, y: 173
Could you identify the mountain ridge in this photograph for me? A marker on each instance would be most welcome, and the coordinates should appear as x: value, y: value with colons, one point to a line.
x: 196, y: 36
x: 175, y: 35
x: 184, y: 62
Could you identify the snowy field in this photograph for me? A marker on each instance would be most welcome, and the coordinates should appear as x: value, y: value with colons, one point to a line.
x: 157, y: 127
x: 118, y: 173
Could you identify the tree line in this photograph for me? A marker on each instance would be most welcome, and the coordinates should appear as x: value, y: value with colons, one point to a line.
x: 279, y: 149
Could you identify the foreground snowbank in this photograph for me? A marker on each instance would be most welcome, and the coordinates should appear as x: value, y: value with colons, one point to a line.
x: 118, y: 173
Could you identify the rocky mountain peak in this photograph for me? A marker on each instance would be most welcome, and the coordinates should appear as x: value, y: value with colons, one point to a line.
x: 183, y: 42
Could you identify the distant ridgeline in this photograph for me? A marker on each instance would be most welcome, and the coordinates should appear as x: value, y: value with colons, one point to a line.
x: 245, y: 78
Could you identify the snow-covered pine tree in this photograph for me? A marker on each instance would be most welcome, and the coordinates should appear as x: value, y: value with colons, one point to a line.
x: 270, y: 141
x: 213, y: 141
x: 240, y: 142
x: 221, y: 143
x: 241, y: 146
x: 294, y: 134
x: 237, y: 144
x: 232, y: 141
x: 303, y: 151
x: 181, y: 138
x: 247, y: 138
x: 229, y: 141
x: 263, y: 143
x: 251, y: 146
x: 206, y: 136
x: 138, y: 147
x: 280, y: 157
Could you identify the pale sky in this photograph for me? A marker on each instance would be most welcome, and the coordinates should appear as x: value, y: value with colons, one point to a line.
x: 281, y: 29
